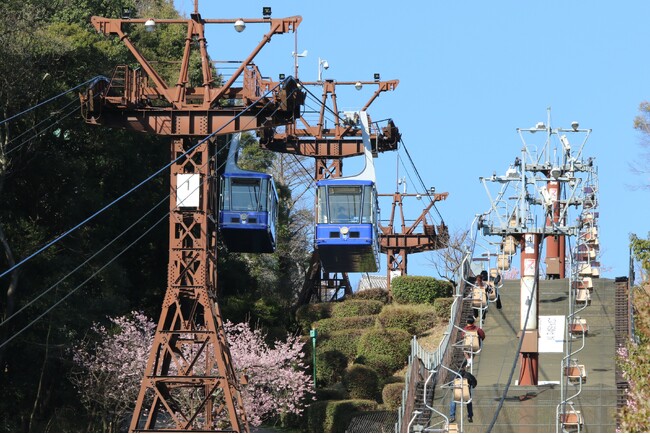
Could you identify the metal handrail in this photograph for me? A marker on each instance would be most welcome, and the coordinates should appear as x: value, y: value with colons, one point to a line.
x: 432, y: 360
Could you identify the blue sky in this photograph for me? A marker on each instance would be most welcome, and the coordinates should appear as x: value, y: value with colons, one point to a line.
x: 470, y: 73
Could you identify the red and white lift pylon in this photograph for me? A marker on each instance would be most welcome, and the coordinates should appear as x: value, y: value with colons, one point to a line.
x: 547, y: 180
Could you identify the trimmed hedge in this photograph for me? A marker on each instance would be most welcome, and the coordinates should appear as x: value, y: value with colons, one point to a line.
x: 414, y: 319
x: 378, y: 294
x: 419, y: 289
x: 334, y: 392
x: 335, y: 416
x: 350, y: 308
x: 308, y: 314
x: 361, y: 382
x: 392, y: 395
x: 345, y: 341
x: 330, y: 325
x: 330, y: 366
x: 442, y: 307
x: 384, y: 350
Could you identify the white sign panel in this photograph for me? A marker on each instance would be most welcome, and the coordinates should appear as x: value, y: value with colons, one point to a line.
x: 530, y: 246
x: 529, y: 267
x: 187, y: 190
x: 551, y: 333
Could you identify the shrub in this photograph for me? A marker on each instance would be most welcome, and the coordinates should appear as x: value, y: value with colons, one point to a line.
x: 378, y: 294
x: 419, y: 289
x: 330, y: 366
x: 356, y: 308
x: 385, y: 350
x: 442, y: 307
x: 335, y: 416
x: 345, y: 341
x: 329, y: 325
x: 361, y: 382
x: 414, y: 319
x: 308, y: 314
x: 392, y: 395
x: 334, y: 392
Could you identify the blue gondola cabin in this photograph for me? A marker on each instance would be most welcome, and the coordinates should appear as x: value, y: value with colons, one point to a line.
x: 248, y: 212
x: 346, y: 228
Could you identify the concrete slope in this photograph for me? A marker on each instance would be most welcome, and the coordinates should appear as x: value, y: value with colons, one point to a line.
x: 533, y: 408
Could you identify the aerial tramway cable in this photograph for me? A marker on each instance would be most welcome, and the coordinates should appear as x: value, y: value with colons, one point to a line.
x: 98, y: 252
x: 92, y: 80
x: 164, y: 200
x: 37, y: 133
x: 97, y: 213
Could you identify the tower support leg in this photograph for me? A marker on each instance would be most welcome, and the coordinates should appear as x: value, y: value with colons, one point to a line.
x: 190, y: 383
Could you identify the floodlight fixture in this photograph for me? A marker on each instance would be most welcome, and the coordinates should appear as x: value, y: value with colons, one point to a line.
x: 266, y: 12
x: 556, y: 172
x: 150, y: 25
x: 240, y: 25
x: 358, y: 85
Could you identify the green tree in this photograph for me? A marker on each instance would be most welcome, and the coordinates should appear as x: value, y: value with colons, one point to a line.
x: 634, y: 359
x: 54, y: 172
x: 641, y: 251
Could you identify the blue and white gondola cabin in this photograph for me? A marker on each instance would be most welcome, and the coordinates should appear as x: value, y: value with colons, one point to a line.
x: 347, y: 231
x: 248, y: 208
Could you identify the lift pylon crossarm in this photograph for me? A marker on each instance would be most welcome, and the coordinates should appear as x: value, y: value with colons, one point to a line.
x: 305, y: 144
x: 145, y: 102
x: 397, y: 246
x: 339, y: 141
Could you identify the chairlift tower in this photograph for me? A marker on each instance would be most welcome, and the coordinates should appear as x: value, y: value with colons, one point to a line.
x: 189, y: 382
x: 532, y: 204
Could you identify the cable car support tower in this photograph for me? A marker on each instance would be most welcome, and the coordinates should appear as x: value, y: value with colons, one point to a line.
x: 329, y: 145
x: 189, y: 382
x: 398, y: 245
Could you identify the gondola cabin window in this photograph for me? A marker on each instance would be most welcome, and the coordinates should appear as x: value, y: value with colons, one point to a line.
x: 246, y: 195
x: 345, y: 204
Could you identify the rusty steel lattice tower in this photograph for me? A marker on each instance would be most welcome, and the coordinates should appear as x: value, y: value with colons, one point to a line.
x: 398, y: 245
x: 189, y: 382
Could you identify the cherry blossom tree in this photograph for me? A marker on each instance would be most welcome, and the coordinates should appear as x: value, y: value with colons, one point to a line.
x: 277, y: 379
x: 110, y: 363
x: 110, y: 366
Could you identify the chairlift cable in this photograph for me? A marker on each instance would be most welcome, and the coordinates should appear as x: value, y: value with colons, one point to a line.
x: 521, y: 339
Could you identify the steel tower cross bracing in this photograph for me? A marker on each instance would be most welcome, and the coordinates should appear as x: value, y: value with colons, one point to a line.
x: 190, y: 382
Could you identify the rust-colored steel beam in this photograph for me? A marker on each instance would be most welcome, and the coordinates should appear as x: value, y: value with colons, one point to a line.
x: 189, y: 374
x: 140, y: 99
x: 397, y: 246
x: 340, y: 141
